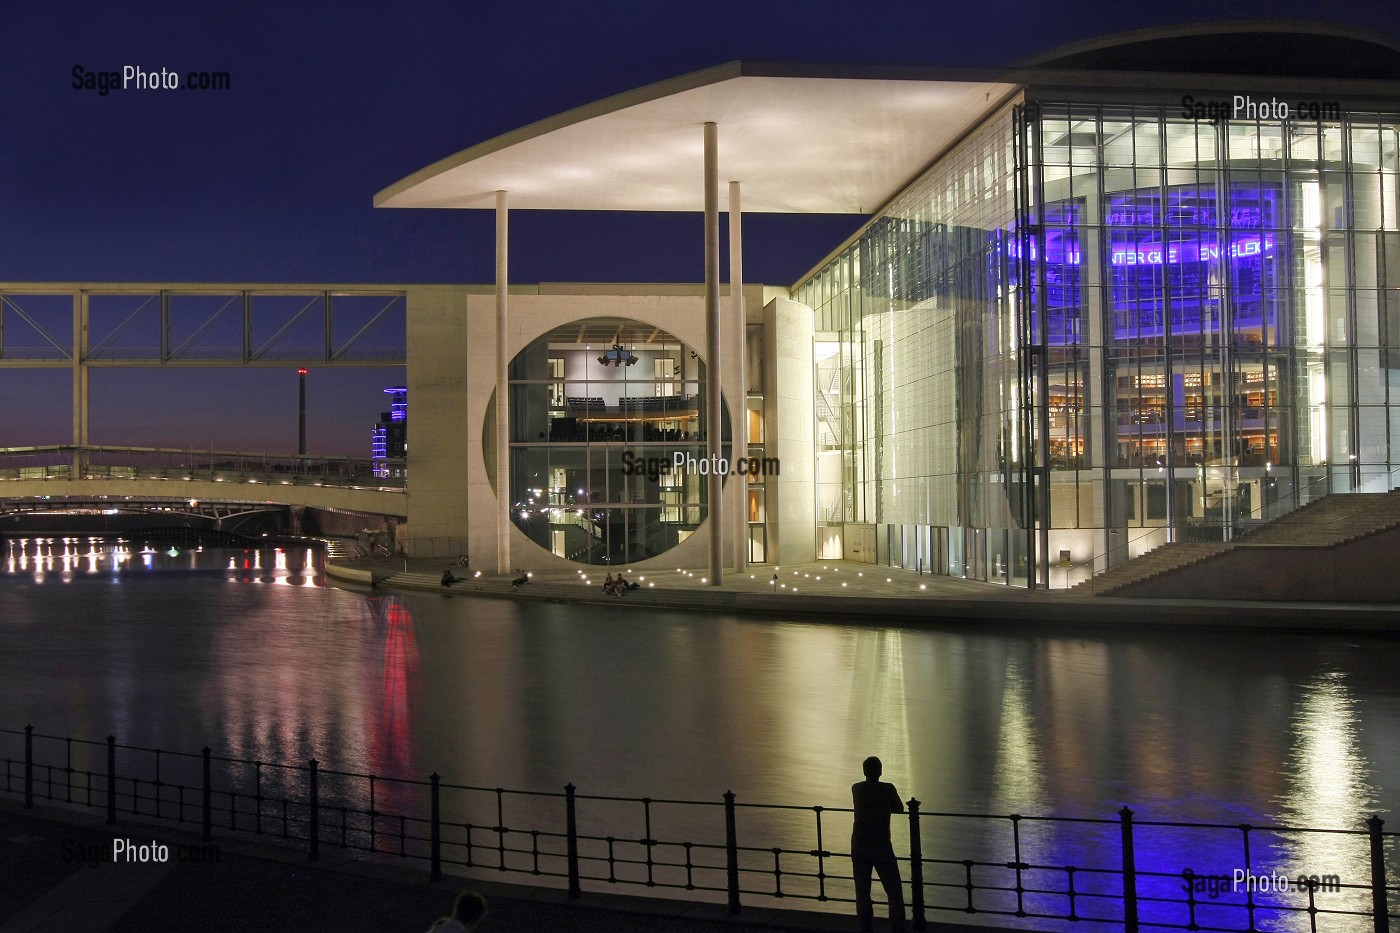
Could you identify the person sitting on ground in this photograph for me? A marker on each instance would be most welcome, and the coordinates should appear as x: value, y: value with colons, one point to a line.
x: 521, y: 580
x: 467, y: 912
x: 624, y: 584
x: 609, y: 586
x: 447, y: 578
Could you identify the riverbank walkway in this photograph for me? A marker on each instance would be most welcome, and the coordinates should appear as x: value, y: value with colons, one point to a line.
x: 855, y: 593
x: 257, y: 888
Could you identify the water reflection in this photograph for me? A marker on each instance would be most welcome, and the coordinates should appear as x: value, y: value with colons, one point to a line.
x: 69, y: 557
x: 1180, y: 726
x: 1017, y: 778
x: 1329, y: 784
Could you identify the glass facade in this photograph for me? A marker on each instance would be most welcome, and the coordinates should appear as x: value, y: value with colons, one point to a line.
x: 1091, y: 329
x: 600, y: 410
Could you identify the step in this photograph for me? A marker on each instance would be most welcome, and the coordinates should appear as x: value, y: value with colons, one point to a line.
x: 1340, y: 518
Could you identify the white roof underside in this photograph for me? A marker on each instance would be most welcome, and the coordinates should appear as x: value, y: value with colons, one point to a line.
x: 799, y: 143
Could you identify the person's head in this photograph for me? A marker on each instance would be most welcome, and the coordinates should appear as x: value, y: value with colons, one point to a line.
x: 469, y: 908
x: 873, y: 769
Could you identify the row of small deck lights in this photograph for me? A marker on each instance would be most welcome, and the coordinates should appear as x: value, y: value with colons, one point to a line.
x: 806, y: 576
x: 587, y: 581
x: 584, y: 578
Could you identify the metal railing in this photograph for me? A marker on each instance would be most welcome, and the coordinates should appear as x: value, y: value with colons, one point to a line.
x: 141, y: 463
x: 1121, y: 874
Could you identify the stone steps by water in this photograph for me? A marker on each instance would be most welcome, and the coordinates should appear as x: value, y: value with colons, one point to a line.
x: 1331, y: 521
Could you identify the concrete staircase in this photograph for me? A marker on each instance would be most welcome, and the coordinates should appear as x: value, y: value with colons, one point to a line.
x: 1333, y: 520
x: 1155, y: 563
x: 432, y: 582
x: 337, y: 548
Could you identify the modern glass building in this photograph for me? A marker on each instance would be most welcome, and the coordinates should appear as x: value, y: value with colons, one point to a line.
x: 1110, y: 318
x: 1142, y: 290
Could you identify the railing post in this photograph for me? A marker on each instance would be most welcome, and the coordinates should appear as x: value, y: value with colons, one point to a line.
x: 313, y: 834
x: 731, y: 851
x: 1130, y: 906
x: 916, y: 867
x: 111, y: 779
x: 207, y: 804
x: 1380, y: 908
x: 436, y: 831
x: 29, y: 767
x: 571, y: 829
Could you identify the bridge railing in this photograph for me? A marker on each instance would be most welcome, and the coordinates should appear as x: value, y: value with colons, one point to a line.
x: 1112, y: 872
x: 108, y: 463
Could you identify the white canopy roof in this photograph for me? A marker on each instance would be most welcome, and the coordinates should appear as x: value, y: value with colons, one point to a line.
x: 801, y: 140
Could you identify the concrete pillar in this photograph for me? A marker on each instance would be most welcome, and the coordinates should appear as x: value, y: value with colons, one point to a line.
x: 789, y: 413
x: 739, y: 490
x: 80, y: 385
x: 714, y: 448
x: 502, y: 390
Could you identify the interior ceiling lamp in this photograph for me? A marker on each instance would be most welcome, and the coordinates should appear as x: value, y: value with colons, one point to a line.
x: 617, y: 357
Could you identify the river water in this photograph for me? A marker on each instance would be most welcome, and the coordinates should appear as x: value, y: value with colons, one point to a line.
x: 252, y: 654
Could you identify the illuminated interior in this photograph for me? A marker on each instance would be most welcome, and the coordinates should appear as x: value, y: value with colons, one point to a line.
x: 1092, y: 329
x: 600, y: 409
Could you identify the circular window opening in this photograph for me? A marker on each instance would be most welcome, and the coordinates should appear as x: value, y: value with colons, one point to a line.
x: 608, y: 422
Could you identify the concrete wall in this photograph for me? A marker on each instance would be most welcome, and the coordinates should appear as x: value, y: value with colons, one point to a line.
x: 1358, y: 572
x: 789, y: 415
x: 438, y: 428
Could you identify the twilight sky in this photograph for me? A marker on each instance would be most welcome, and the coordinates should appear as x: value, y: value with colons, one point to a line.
x: 329, y: 102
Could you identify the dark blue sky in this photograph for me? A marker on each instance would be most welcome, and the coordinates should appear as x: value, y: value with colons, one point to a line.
x: 272, y: 180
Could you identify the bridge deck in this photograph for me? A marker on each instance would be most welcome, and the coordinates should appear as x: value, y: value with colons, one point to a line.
x: 71, y: 493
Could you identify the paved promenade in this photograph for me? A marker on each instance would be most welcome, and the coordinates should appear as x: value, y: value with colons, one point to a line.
x: 256, y: 888
x: 855, y: 593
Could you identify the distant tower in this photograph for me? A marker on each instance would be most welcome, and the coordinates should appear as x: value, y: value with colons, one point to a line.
x: 301, y: 421
x: 390, y: 439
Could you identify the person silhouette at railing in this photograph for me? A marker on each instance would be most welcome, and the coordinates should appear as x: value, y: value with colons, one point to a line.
x: 874, y: 801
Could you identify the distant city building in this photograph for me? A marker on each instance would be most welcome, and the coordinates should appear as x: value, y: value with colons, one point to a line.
x: 390, y: 438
